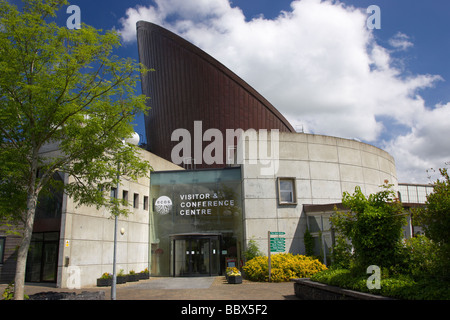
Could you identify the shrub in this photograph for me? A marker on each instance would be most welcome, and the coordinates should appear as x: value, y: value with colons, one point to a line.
x: 435, y: 219
x: 373, y: 225
x: 252, y: 250
x: 285, y: 266
x: 398, y: 286
x: 308, y: 240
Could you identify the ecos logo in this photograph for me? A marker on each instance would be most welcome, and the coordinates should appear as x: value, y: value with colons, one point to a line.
x: 163, y: 205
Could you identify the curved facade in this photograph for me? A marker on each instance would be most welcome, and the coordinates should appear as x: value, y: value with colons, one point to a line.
x: 189, y: 85
x: 320, y: 169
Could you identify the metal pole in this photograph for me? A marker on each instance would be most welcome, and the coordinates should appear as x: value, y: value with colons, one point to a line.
x: 114, y: 278
x: 268, y: 248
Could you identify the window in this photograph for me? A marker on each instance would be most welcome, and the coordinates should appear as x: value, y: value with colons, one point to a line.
x: 125, y: 195
x: 2, y: 249
x: 113, y: 193
x: 136, y: 201
x: 286, y: 191
x: 145, y: 203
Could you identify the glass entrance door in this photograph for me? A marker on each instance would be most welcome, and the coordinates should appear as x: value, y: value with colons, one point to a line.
x: 42, y: 261
x: 195, y: 255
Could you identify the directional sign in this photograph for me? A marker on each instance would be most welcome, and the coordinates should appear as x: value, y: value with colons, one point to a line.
x: 277, y: 233
x: 277, y: 244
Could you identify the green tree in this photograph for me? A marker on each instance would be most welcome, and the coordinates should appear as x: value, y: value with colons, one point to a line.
x: 373, y: 225
x: 64, y: 88
x: 435, y: 219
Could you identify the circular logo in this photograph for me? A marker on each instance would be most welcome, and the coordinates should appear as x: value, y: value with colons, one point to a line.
x: 163, y: 205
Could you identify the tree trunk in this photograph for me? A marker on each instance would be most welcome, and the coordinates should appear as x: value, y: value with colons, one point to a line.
x: 22, y: 252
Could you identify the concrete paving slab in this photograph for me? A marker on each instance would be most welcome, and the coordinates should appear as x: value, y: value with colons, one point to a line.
x: 174, y: 283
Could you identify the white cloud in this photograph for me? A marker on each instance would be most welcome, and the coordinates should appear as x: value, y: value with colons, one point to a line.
x: 426, y: 146
x: 318, y: 64
x: 400, y: 41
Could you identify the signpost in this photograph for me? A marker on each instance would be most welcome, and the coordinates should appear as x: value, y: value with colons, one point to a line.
x: 275, y: 245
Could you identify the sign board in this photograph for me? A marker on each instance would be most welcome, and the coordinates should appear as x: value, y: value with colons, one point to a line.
x: 277, y: 244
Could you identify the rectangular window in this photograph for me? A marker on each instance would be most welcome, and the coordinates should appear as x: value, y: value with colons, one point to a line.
x: 136, y: 201
x: 113, y: 193
x: 145, y: 203
x: 125, y: 195
x: 286, y: 191
x: 2, y: 249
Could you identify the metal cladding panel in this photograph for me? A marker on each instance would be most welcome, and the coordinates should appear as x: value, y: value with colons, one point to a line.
x: 189, y: 85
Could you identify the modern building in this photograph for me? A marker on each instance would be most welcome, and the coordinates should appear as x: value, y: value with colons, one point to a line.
x: 267, y: 178
x: 189, y: 85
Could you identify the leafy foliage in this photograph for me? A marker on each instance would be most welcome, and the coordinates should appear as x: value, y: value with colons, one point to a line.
x: 398, y: 286
x: 435, y: 219
x: 308, y: 240
x: 252, y: 250
x: 66, y: 104
x: 373, y: 225
x: 416, y: 269
x: 63, y: 88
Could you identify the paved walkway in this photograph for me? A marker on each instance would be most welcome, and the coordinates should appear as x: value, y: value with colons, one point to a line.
x: 202, y: 288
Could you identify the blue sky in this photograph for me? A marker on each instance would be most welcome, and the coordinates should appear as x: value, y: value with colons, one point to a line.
x: 402, y: 104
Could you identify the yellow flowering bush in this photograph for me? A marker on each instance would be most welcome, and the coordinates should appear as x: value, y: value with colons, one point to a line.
x: 285, y: 266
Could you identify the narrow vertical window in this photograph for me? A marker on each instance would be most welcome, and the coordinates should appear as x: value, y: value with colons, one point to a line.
x: 136, y: 201
x: 145, y: 203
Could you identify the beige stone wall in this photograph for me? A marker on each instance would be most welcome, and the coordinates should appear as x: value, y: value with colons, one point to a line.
x: 87, y: 234
x: 323, y: 167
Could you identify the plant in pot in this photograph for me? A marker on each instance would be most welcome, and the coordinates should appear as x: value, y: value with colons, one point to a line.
x: 234, y: 276
x: 144, y: 274
x: 105, y: 280
x: 133, y: 276
x: 121, y: 277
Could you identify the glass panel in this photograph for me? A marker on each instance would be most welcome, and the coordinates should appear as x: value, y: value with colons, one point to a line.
x: 49, y: 262
x: 33, y: 273
x: 412, y: 193
x: 181, y: 258
x: 215, y: 256
x: 326, y: 222
x: 286, y: 185
x: 199, y: 257
x: 2, y: 248
x: 202, y: 202
x: 286, y: 191
x: 315, y: 224
x: 51, y: 236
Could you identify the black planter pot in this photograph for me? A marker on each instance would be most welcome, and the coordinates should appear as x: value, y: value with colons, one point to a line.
x: 133, y: 277
x: 234, y: 279
x: 144, y: 275
x: 104, y: 282
x: 121, y: 279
